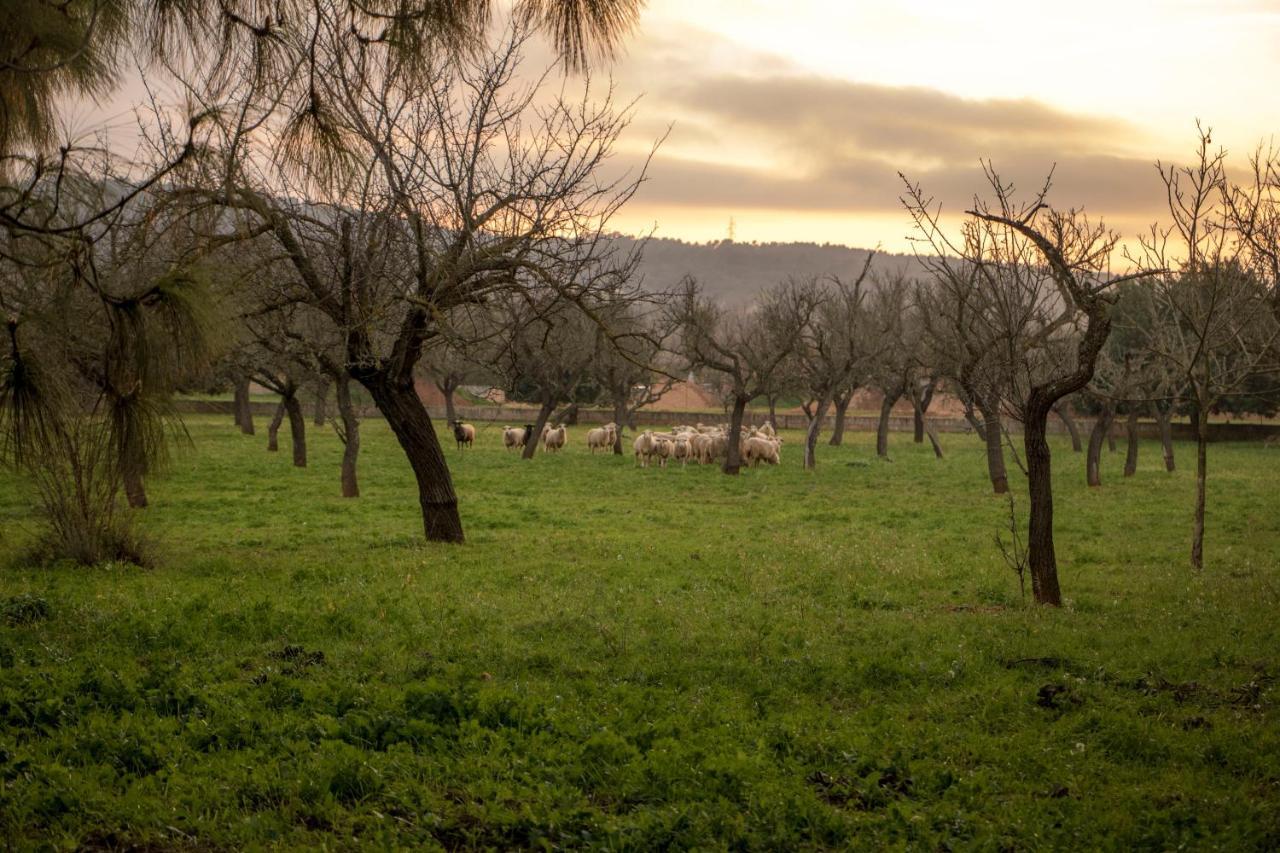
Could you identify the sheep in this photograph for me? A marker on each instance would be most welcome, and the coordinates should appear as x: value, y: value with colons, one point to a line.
x: 680, y: 448
x: 527, y: 435
x: 767, y: 429
x: 554, y: 439
x: 601, y: 437
x: 464, y: 434
x: 760, y: 449
x: 662, y: 448
x: 644, y: 447
x: 513, y: 437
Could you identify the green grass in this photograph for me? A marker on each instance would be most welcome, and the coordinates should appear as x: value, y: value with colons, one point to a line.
x: 637, y: 659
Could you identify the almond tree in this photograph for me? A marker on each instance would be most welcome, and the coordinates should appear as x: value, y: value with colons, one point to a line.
x: 450, y: 196
x: 1048, y: 292
x: 745, y: 347
x: 1216, y: 322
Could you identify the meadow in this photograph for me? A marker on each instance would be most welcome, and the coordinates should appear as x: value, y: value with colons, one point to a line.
x: 639, y: 659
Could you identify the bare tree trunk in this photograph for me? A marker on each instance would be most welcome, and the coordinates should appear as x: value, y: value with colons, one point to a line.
x: 842, y: 409
x: 400, y: 405
x: 350, y: 439
x: 919, y: 407
x: 1065, y: 416
x: 244, y: 407
x: 297, y: 430
x: 773, y: 413
x: 1041, y: 560
x: 933, y: 440
x: 273, y: 428
x: 1093, y: 459
x: 1164, y: 418
x: 450, y: 412
x: 619, y: 419
x: 882, y: 429
x: 544, y: 414
x: 811, y: 436
x: 320, y: 413
x: 995, y: 448
x: 567, y: 416
x: 733, y: 453
x: 1111, y: 440
x: 1131, y: 435
x: 1202, y: 471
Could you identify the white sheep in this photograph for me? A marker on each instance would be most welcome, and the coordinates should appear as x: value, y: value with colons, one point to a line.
x: 554, y: 439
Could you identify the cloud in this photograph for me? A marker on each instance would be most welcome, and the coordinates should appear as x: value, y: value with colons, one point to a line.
x: 766, y: 135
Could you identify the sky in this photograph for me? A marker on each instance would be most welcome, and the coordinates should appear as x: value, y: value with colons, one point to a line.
x: 794, y: 118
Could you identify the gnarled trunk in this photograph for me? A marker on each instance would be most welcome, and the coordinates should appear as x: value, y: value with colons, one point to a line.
x: 450, y: 411
x: 1164, y: 418
x: 1202, y: 473
x: 1093, y: 459
x: 297, y: 430
x: 842, y: 409
x: 619, y: 420
x: 882, y: 428
x: 1065, y: 416
x: 273, y: 429
x: 400, y: 405
x: 320, y: 411
x: 243, y: 407
x: 920, y: 407
x: 991, y: 436
x: 1042, y: 562
x: 531, y: 442
x: 1131, y: 436
x: 811, y: 435
x: 350, y: 439
x: 733, y: 453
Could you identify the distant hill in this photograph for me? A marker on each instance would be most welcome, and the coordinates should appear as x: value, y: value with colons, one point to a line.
x: 735, y: 272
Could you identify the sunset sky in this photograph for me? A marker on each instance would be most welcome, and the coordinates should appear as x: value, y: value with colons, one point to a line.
x: 794, y: 118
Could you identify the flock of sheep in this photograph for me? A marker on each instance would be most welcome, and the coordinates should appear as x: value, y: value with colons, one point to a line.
x: 699, y: 444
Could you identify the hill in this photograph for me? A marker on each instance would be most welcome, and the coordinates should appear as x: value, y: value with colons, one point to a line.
x: 736, y: 271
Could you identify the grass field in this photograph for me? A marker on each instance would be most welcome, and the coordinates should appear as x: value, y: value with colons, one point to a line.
x: 636, y: 659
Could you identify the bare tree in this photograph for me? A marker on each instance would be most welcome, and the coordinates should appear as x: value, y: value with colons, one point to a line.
x: 832, y: 349
x: 452, y: 195
x: 1045, y: 272
x: 745, y: 347
x: 1215, y: 320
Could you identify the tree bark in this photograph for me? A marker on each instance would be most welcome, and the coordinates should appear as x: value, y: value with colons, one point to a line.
x: 1093, y: 459
x: 400, y: 405
x: 544, y: 414
x: 1164, y: 418
x: 619, y: 420
x: 733, y: 453
x: 320, y: 412
x: 773, y: 414
x: 1111, y: 440
x: 1131, y: 436
x: 1065, y: 416
x: 244, y: 407
x: 297, y: 430
x: 919, y: 407
x: 568, y: 415
x: 350, y: 439
x: 882, y: 429
x: 1042, y: 562
x: 991, y: 436
x: 842, y: 409
x: 811, y: 436
x: 933, y: 440
x: 1202, y: 471
x: 273, y: 428
x: 450, y: 412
